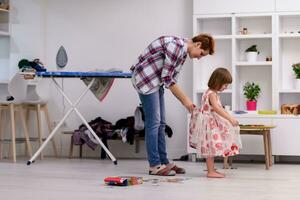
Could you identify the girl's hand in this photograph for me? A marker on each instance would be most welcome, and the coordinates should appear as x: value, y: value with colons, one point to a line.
x: 234, y: 122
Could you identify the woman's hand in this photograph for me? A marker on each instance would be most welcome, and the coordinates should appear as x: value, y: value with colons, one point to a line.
x: 188, y: 104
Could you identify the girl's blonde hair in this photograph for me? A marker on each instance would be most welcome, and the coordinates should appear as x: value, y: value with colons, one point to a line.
x: 218, y: 78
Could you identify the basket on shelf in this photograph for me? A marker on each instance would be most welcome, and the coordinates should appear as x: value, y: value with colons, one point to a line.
x: 4, y: 5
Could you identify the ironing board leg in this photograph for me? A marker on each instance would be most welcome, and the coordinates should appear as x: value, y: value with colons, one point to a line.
x: 73, y: 107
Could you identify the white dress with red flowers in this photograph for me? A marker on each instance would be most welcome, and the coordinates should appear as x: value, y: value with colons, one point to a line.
x: 217, y: 136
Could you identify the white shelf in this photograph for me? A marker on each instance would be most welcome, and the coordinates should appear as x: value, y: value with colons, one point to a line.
x: 253, y: 36
x: 4, y: 10
x: 281, y: 116
x: 259, y: 63
x: 289, y: 91
x: 4, y: 33
x: 222, y: 37
x: 289, y: 35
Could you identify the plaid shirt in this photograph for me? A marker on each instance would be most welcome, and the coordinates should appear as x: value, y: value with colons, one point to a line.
x: 159, y: 64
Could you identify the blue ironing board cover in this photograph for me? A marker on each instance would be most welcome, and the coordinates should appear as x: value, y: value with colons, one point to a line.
x: 64, y: 74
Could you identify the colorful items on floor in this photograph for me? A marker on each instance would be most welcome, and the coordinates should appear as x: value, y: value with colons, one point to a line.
x: 123, y: 180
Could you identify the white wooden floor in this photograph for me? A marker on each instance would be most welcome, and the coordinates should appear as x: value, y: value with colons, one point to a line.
x: 83, y: 179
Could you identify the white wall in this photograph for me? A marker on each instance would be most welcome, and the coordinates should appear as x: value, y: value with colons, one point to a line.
x: 111, y: 33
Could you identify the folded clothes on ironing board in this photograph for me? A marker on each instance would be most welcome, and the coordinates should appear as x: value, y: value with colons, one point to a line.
x: 101, y: 85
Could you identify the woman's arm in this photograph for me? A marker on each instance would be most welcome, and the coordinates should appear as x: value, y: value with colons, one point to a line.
x: 179, y: 94
x: 213, y: 100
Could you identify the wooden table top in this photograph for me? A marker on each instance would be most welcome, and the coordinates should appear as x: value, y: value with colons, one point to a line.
x: 256, y: 127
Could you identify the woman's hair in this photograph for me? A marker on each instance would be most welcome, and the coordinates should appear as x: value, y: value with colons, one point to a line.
x: 218, y: 78
x: 207, y: 42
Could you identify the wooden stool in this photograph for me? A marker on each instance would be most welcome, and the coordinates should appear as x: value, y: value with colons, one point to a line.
x: 265, y: 131
x: 38, y: 108
x: 12, y: 108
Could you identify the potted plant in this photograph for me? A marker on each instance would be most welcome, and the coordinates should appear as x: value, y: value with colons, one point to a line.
x: 296, y: 69
x: 251, y: 53
x: 251, y: 92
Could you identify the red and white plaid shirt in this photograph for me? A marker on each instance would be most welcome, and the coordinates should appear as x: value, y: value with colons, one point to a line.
x: 159, y: 64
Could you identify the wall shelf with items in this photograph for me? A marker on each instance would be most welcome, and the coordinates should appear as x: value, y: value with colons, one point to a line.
x: 261, y: 75
x: 264, y: 46
x: 288, y: 54
x: 276, y: 32
x: 253, y: 25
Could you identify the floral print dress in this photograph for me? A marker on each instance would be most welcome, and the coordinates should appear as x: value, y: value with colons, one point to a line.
x: 211, y: 134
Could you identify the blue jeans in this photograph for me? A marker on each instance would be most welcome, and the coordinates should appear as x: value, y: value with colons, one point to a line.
x: 155, y: 123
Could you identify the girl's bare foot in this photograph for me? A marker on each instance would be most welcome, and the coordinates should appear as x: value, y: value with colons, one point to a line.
x: 220, y: 173
x: 215, y: 174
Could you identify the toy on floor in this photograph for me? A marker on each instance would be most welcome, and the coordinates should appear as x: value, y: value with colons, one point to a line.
x: 123, y: 180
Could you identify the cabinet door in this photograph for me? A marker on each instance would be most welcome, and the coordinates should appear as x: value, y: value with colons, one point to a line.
x: 287, y: 5
x: 253, y: 144
x: 286, y: 137
x: 232, y: 6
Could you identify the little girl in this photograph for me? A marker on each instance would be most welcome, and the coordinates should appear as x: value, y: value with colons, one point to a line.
x: 218, y: 131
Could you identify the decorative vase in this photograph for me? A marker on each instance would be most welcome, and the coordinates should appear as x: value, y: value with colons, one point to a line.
x: 251, y: 56
x: 251, y: 105
x: 297, y: 84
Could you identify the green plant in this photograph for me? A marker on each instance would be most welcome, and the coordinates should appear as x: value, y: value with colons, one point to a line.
x: 251, y: 91
x: 296, y: 69
x: 252, y: 49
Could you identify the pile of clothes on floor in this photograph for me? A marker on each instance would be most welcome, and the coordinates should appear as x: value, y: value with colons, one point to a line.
x: 125, y: 129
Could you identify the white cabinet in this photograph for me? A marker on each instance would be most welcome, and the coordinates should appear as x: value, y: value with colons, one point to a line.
x: 233, y: 6
x: 288, y: 54
x: 231, y: 44
x: 277, y: 35
x: 287, y: 5
x: 286, y: 137
x: 4, y: 44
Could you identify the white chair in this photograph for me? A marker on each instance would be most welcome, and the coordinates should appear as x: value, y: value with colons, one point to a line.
x: 36, y: 100
x: 16, y: 88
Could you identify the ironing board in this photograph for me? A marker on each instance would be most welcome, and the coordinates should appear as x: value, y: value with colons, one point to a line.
x: 68, y: 74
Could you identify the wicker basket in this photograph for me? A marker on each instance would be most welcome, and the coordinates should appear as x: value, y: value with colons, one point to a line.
x: 4, y: 5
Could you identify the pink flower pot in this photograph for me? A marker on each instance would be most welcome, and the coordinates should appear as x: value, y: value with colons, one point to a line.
x: 251, y: 105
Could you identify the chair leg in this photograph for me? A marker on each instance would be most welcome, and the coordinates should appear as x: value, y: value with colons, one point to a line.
x: 71, y: 147
x: 1, y: 134
x: 39, y: 129
x: 26, y: 110
x: 26, y: 134
x: 45, y: 109
x: 13, y: 131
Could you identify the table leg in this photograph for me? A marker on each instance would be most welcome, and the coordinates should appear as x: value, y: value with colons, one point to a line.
x: 270, y: 147
x: 266, y: 147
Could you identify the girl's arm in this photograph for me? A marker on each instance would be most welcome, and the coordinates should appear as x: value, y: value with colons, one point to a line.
x: 179, y: 94
x: 213, y: 100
